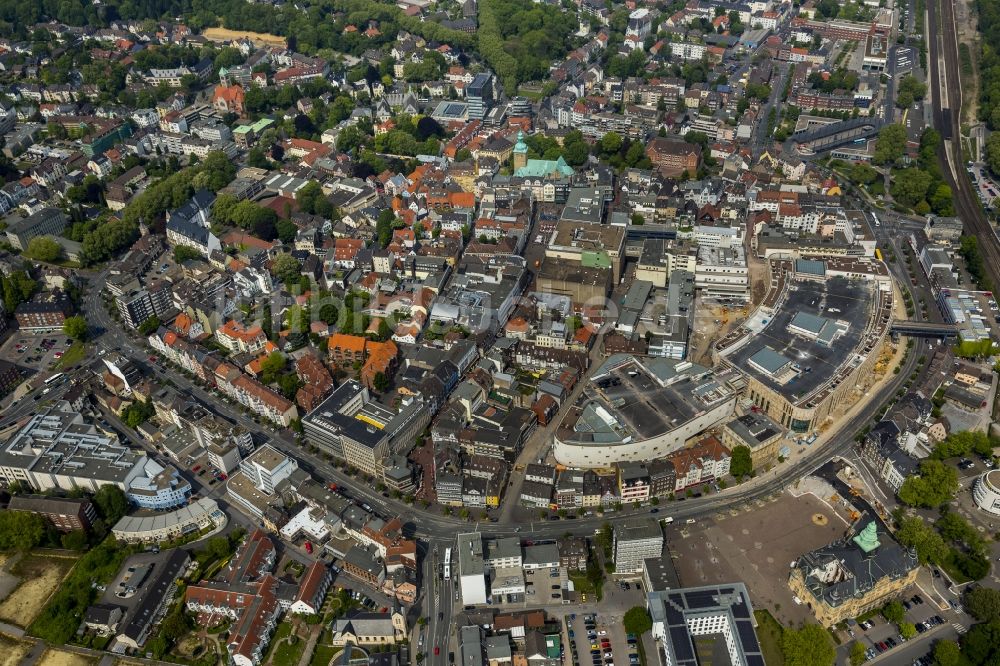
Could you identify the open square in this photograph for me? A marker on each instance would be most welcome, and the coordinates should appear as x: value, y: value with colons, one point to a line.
x: 757, y: 547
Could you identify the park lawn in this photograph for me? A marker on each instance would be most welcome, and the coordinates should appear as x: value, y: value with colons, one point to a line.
x: 769, y: 634
x: 322, y: 655
x: 73, y: 355
x: 288, y: 655
x: 283, y: 630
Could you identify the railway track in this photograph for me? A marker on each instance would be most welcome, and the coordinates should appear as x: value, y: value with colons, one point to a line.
x: 946, y: 87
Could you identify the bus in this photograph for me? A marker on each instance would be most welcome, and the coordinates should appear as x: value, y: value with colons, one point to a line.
x: 875, y: 219
x: 54, y: 378
x: 878, y: 254
x: 447, y: 563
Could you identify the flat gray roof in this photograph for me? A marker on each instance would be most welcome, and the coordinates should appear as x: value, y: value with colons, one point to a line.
x: 810, y: 266
x: 851, y: 300
x: 809, y: 322
x: 769, y: 360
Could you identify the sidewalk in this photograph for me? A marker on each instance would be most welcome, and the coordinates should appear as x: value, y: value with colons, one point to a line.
x: 307, y: 653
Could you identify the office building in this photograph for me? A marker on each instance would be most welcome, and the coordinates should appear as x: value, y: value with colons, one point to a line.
x: 479, y: 95
x: 698, y: 625
x: 635, y: 541
x: 64, y: 513
x: 202, y: 514
x: 986, y: 492
x: 472, y: 568
x: 45, y: 313
x: 137, y: 306
x: 46, y: 222
x: 267, y: 467
x: 57, y: 449
x: 352, y: 426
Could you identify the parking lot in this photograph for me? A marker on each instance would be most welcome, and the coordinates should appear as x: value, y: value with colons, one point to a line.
x: 542, y: 586
x: 600, y: 640
x: 986, y: 188
x: 35, y: 353
x: 883, y: 638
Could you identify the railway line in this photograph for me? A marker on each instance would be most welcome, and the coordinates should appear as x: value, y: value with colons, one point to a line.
x: 946, y: 87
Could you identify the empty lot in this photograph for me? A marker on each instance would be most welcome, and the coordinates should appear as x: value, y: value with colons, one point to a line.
x: 756, y: 547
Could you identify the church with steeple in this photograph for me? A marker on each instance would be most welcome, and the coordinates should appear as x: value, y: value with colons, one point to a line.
x: 519, y: 157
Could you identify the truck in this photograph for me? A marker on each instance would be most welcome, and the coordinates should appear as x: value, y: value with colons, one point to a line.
x: 668, y: 520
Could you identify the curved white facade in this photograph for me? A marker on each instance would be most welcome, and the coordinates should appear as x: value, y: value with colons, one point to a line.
x: 592, y: 455
x: 986, y: 492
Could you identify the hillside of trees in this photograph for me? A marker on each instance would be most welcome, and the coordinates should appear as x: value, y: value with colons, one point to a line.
x: 321, y: 26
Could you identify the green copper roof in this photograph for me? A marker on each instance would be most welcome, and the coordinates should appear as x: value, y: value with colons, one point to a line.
x: 520, y: 146
x: 867, y: 539
x: 540, y: 168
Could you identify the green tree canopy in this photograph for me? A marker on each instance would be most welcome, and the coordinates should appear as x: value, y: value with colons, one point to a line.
x: 184, y: 253
x: 981, y: 644
x: 808, y: 646
x: 857, y: 653
x: 111, y: 503
x: 890, y: 145
x: 20, y: 530
x: 286, y: 268
x: 907, y: 630
x: 272, y: 366
x: 287, y: 231
x: 637, y: 620
x: 44, y: 248
x: 983, y: 603
x: 915, y: 533
x: 741, y: 464
x: 935, y: 485
x: 75, y: 327
x: 150, y: 325
x: 947, y: 653
x: 893, y: 612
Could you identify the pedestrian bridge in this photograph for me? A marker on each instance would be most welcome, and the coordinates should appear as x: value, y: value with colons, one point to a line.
x: 923, y: 329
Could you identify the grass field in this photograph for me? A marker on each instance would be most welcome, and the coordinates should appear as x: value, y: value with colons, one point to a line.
x: 322, y: 655
x: 74, y: 354
x: 769, y: 634
x: 40, y: 577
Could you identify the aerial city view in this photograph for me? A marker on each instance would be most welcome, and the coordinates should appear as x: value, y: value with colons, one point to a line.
x: 499, y: 332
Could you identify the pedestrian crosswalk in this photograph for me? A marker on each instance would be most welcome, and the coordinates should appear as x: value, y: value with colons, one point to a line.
x: 960, y: 628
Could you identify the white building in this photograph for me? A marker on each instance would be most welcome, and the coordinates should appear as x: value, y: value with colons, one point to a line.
x: 506, y: 581
x: 635, y: 541
x: 986, y: 492
x: 57, y: 449
x: 681, y: 615
x: 471, y: 569
x: 199, y: 515
x: 722, y: 272
x: 267, y: 467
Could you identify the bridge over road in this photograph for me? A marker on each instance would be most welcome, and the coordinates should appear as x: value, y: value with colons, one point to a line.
x: 923, y: 329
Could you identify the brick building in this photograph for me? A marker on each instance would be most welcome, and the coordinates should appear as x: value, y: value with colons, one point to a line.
x: 65, y: 514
